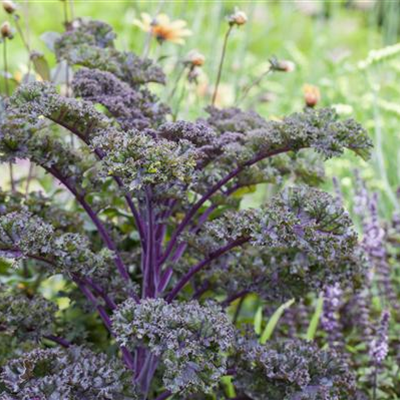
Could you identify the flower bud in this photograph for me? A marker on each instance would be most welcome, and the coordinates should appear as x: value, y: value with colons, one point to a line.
x: 312, y: 95
x: 9, y: 6
x: 237, y: 18
x: 284, y: 66
x: 5, y: 30
x: 281, y: 65
x: 195, y: 59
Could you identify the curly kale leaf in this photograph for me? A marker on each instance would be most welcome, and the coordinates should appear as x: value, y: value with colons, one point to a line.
x: 74, y: 373
x: 291, y: 370
x: 301, y: 241
x: 191, y: 340
x: 91, y: 44
x: 319, y: 129
x: 132, y: 108
x: 27, y: 318
x: 24, y: 235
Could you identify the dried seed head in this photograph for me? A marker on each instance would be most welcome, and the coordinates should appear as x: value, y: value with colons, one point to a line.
x: 312, y: 95
x: 9, y: 6
x: 6, y: 31
x: 195, y: 59
x: 283, y: 66
x: 237, y: 18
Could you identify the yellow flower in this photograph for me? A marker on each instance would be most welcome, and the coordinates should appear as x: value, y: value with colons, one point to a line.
x: 312, y: 95
x: 163, y: 29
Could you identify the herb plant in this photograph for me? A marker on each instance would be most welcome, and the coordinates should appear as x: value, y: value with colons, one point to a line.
x: 158, y: 246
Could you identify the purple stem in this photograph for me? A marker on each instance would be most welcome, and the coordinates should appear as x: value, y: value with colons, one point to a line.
x: 150, y: 281
x: 201, y: 290
x: 100, y: 155
x: 100, y: 291
x: 18, y: 253
x: 100, y: 227
x: 196, y: 268
x: 164, y: 395
x: 203, y: 218
x: 207, y: 196
x: 234, y: 297
x: 126, y: 354
x: 59, y: 340
x: 165, y: 277
x: 182, y: 246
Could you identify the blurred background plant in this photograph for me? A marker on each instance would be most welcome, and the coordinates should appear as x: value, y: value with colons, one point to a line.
x: 284, y: 56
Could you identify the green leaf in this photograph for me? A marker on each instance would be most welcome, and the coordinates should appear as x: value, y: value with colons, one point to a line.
x: 258, y: 321
x: 273, y: 321
x: 228, y: 385
x: 41, y: 65
x: 244, y: 190
x: 312, y: 328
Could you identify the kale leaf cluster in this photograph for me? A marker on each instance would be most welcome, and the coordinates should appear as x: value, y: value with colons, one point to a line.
x: 153, y: 244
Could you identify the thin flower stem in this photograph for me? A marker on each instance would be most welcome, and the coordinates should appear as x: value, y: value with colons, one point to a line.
x: 256, y: 82
x: 178, y: 106
x: 65, y: 10
x: 29, y: 178
x: 12, y: 180
x: 175, y: 87
x: 10, y: 165
x: 146, y: 47
x: 213, y: 256
x: 71, y: 9
x: 221, y: 64
x: 21, y: 34
x: 5, y: 67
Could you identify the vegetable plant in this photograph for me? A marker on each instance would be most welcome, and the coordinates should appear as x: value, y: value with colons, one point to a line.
x: 157, y: 249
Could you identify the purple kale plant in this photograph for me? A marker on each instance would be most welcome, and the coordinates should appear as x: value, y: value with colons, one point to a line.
x: 155, y: 245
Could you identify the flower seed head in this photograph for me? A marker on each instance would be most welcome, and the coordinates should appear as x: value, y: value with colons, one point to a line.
x: 312, y: 95
x: 5, y: 30
x: 195, y: 59
x: 9, y: 6
x: 237, y: 18
x: 286, y: 66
